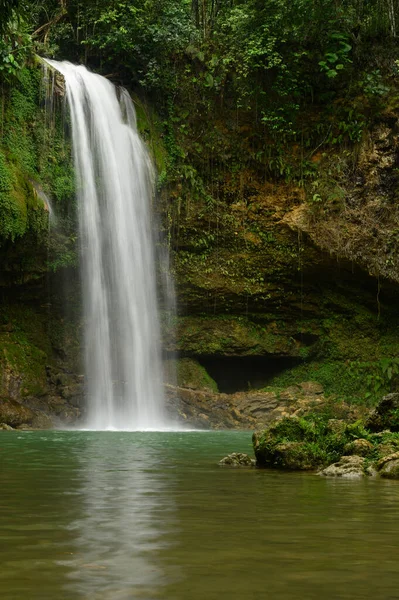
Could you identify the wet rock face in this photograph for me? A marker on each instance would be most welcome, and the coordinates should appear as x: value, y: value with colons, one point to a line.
x: 40, y: 352
x: 237, y: 459
x: 269, y: 291
x: 385, y: 415
x: 364, y: 227
x: 246, y: 410
x: 351, y: 467
x: 13, y: 414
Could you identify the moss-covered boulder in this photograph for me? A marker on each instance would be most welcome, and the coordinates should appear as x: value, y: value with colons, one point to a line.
x: 359, y: 447
x: 295, y: 456
x: 343, y: 449
x: 388, y: 466
x: 304, y: 443
x: 295, y: 443
x: 384, y: 444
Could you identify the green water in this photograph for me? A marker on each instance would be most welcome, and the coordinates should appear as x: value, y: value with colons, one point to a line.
x: 118, y: 516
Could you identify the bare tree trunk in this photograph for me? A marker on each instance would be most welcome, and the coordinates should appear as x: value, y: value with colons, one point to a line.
x: 195, y: 11
x: 392, y: 17
x: 204, y: 17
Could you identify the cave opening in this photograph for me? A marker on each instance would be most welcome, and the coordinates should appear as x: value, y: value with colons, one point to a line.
x: 243, y: 373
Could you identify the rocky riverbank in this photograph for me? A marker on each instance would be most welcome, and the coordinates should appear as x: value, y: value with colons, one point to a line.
x: 255, y: 409
x: 333, y: 447
x: 202, y: 409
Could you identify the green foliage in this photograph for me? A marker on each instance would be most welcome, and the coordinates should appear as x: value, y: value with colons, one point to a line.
x: 15, y: 41
x: 191, y: 374
x: 5, y: 175
x: 13, y: 209
x: 293, y: 69
x: 7, y: 7
x: 303, y: 443
x: 373, y: 84
x: 378, y: 376
x: 34, y: 156
x: 337, y: 56
x: 360, y: 382
x: 314, y: 441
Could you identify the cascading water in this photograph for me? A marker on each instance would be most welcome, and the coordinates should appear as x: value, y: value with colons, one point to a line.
x: 114, y: 187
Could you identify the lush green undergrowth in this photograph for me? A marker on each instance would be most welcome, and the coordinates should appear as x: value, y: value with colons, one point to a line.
x: 353, y: 381
x: 36, y: 177
x: 315, y: 440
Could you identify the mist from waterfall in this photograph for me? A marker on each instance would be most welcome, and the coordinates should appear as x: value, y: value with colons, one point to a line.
x: 115, y: 190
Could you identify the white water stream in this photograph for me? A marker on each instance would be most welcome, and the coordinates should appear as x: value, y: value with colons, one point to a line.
x: 115, y: 190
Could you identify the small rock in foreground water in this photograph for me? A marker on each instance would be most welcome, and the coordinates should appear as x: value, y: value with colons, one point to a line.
x: 237, y: 459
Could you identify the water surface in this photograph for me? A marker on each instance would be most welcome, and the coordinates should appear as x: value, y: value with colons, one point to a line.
x: 118, y: 516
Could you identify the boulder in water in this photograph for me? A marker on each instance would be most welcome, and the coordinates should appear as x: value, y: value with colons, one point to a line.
x: 289, y: 443
x: 237, y: 459
x: 5, y: 427
x: 351, y: 467
x: 294, y: 456
x: 388, y: 466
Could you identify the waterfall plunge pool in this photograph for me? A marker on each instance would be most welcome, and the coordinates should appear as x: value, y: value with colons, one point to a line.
x: 121, y: 516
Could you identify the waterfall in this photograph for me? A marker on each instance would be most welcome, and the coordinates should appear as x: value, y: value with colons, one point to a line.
x: 115, y: 190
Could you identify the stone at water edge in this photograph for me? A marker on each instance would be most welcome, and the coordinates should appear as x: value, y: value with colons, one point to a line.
x: 351, y: 467
x: 237, y: 459
x: 283, y: 445
x: 5, y: 427
x: 388, y: 466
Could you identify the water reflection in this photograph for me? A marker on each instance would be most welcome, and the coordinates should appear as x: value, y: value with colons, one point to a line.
x: 125, y: 516
x: 110, y: 516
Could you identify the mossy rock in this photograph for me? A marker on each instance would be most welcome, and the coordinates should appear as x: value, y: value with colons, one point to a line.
x: 388, y: 466
x: 296, y: 456
x: 189, y: 374
x: 35, y: 165
x: 237, y: 459
x: 22, y: 367
x: 359, y: 447
x: 13, y: 413
x: 303, y: 443
x: 384, y: 443
x: 232, y: 336
x: 149, y: 126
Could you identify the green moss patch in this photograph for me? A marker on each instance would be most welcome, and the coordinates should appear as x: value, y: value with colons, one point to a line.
x: 193, y: 375
x: 304, y: 443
